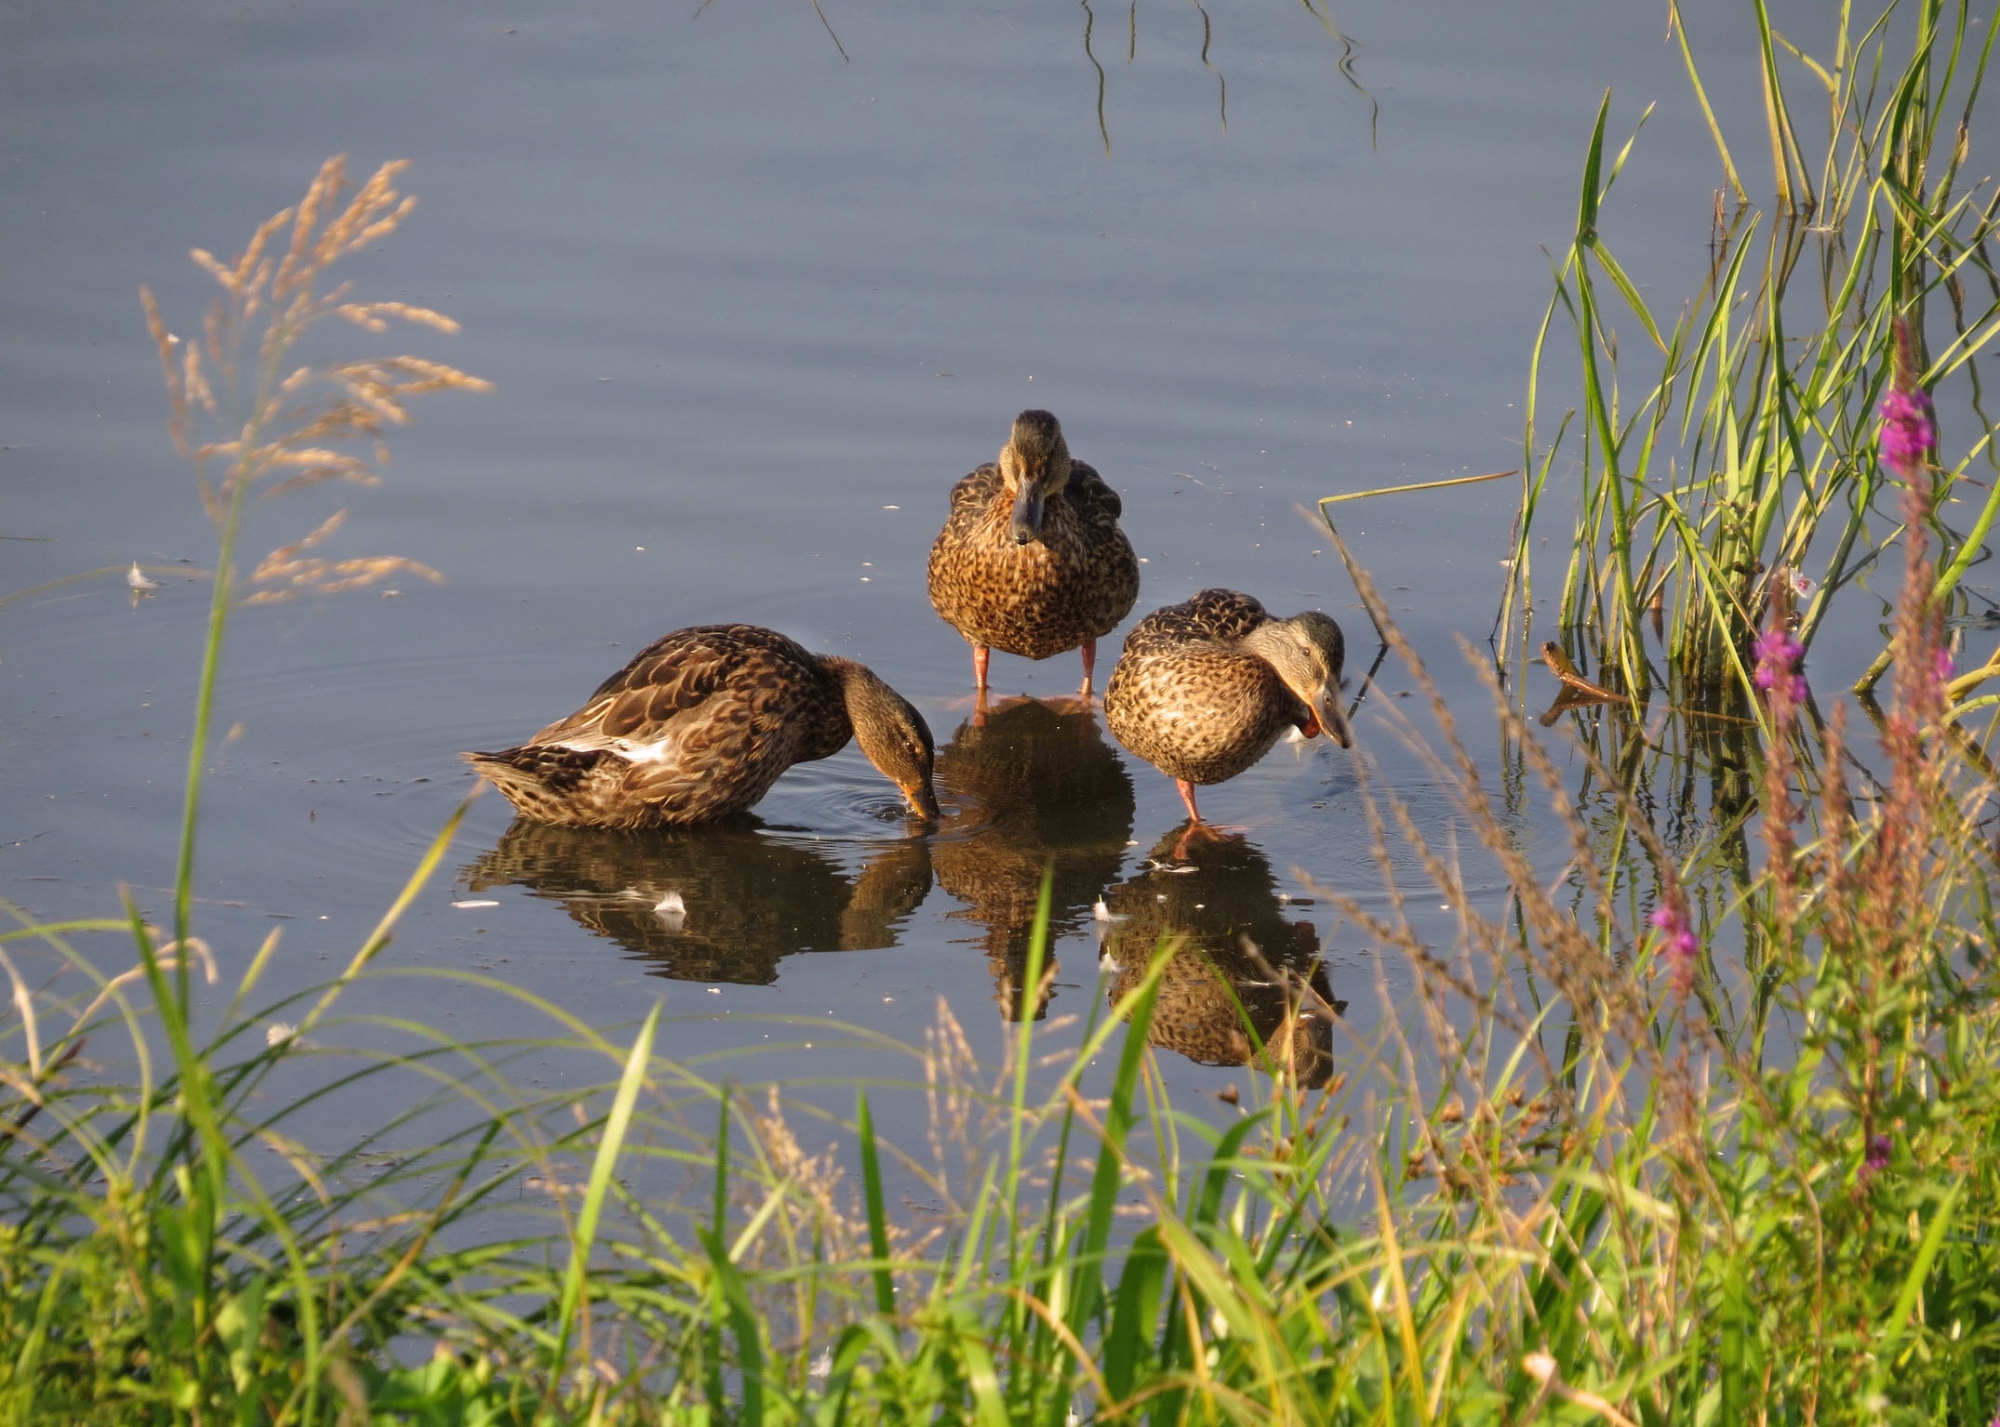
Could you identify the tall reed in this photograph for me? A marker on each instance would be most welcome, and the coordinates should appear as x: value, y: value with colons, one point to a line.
x: 1747, y: 443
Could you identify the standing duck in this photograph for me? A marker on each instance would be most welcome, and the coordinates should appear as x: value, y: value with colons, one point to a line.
x: 1031, y: 560
x: 700, y: 725
x: 1204, y: 688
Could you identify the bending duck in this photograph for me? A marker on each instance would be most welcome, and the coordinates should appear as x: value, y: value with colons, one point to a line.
x: 1205, y: 688
x: 1031, y: 560
x: 700, y: 725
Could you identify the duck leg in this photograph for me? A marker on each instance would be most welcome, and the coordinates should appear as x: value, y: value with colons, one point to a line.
x: 980, y: 654
x: 1089, y: 664
x: 1187, y: 796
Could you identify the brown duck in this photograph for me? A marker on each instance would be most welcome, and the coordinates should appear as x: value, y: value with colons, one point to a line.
x: 1031, y: 560
x: 1204, y: 688
x: 701, y: 724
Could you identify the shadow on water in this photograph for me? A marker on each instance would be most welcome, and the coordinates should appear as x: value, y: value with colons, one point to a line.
x: 747, y: 897
x: 1240, y: 959
x: 1035, y: 786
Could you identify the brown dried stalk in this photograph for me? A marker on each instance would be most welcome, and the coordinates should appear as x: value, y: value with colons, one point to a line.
x: 284, y: 430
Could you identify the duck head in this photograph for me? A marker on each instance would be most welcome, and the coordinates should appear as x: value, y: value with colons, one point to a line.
x: 1307, y: 650
x: 891, y: 733
x: 1035, y: 465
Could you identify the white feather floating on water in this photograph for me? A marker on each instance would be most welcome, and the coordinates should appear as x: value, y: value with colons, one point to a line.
x: 1104, y: 914
x: 135, y: 579
x: 672, y: 910
x: 474, y: 902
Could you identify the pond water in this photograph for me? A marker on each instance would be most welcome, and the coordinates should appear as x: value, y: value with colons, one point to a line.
x: 751, y: 307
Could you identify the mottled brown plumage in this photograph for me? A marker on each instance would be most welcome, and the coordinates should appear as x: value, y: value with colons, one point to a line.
x: 1204, y: 688
x: 700, y: 725
x: 1031, y: 560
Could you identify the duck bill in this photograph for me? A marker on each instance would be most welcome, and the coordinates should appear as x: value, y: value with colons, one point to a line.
x: 1329, y: 720
x: 923, y: 802
x: 1027, y: 514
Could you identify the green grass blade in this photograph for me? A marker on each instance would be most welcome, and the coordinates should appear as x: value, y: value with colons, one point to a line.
x: 616, y: 1125
x: 878, y: 1225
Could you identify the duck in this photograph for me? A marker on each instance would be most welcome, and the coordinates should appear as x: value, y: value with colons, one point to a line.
x: 1031, y: 560
x: 1205, y: 687
x: 700, y: 724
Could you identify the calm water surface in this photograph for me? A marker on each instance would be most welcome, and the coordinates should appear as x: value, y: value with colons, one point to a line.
x: 750, y: 309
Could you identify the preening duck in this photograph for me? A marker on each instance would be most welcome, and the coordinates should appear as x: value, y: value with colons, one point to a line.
x: 1204, y: 688
x: 701, y: 724
x: 1031, y: 560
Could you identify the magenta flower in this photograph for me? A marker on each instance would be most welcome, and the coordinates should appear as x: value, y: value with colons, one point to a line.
x: 1779, y: 660
x: 1908, y: 430
x: 1878, y: 1152
x: 1678, y: 940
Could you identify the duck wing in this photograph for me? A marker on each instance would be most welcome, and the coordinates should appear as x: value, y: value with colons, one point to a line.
x: 1092, y: 496
x: 703, y: 700
x: 1212, y: 616
x: 971, y: 499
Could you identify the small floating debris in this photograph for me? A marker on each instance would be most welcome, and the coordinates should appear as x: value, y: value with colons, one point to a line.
x: 715, y: 990
x: 470, y: 903
x: 135, y: 579
x: 1104, y: 914
x: 671, y: 910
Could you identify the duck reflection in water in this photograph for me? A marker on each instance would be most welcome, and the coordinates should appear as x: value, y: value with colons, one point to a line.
x: 1033, y: 785
x: 1218, y: 893
x: 724, y: 902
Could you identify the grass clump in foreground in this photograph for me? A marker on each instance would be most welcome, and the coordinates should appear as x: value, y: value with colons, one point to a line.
x: 1603, y: 1170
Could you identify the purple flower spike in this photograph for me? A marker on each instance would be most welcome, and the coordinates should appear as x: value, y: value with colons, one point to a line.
x: 1908, y: 431
x: 1675, y: 934
x: 1779, y: 656
x: 1878, y: 1152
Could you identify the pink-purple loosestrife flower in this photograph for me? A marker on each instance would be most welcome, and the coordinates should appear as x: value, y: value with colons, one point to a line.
x: 1908, y: 430
x: 1678, y: 940
x: 1779, y: 657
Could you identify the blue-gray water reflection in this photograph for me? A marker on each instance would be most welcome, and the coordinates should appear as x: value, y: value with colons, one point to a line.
x: 1039, y: 788
x: 1241, y: 954
x: 722, y: 903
